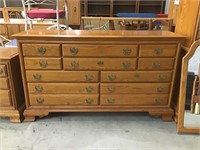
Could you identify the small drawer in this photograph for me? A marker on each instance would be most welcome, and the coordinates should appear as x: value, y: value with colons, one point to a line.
x: 66, y: 100
x: 136, y: 76
x: 135, y: 88
x: 157, y: 50
x: 99, y: 64
x: 62, y: 76
x: 42, y: 63
x: 41, y: 49
x: 100, y: 51
x: 138, y: 100
x: 63, y: 88
x: 3, y: 71
x: 5, y: 99
x: 155, y: 63
x: 4, y: 85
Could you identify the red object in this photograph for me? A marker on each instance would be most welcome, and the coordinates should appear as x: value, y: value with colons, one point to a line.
x: 162, y: 15
x: 44, y: 13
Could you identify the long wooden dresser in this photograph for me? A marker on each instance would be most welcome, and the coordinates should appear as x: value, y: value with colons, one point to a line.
x: 12, y: 102
x: 98, y: 71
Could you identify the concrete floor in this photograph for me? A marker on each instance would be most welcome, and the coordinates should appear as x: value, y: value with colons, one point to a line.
x: 95, y: 131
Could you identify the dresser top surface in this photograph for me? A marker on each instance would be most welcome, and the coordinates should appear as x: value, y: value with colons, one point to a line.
x: 7, y: 53
x: 98, y: 34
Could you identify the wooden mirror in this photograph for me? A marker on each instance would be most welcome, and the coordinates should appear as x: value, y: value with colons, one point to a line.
x: 189, y: 98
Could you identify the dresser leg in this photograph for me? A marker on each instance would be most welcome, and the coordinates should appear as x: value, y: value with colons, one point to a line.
x: 167, y: 118
x: 17, y: 119
x: 29, y: 118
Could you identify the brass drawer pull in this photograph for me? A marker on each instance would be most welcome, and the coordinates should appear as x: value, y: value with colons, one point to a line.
x: 127, y: 51
x: 158, y: 101
x: 111, y: 89
x: 112, y: 77
x: 126, y: 65
x: 100, y: 63
x: 111, y: 101
x: 159, y: 89
x: 38, y: 89
x: 1, y: 71
x: 161, y: 77
x: 88, y: 101
x: 40, y: 100
x: 156, y: 65
x: 73, y: 50
x: 37, y: 76
x: 89, y: 77
x: 43, y: 63
x: 41, y: 50
x: 158, y: 51
x: 89, y: 89
x: 74, y: 65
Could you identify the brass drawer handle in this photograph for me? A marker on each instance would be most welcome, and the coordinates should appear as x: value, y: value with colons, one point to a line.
x: 41, y: 50
x: 89, y: 77
x: 43, y: 63
x: 38, y: 89
x: 100, y: 63
x: 158, y: 101
x: 37, y: 76
x: 1, y: 71
x: 40, y: 100
x: 161, y: 77
x: 111, y: 101
x: 89, y: 89
x: 74, y: 65
x: 156, y: 65
x: 112, y: 77
x: 127, y: 51
x: 73, y: 50
x: 88, y: 101
x: 158, y: 51
x: 126, y: 65
x: 111, y: 89
x: 159, y: 89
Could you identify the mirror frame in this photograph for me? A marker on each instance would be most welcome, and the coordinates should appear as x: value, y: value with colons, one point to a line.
x: 182, y: 94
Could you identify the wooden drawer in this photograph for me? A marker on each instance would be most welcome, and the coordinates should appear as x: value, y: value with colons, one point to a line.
x: 41, y: 50
x: 63, y: 88
x: 135, y: 88
x: 42, y: 63
x: 99, y: 63
x: 157, y: 50
x: 5, y: 99
x: 62, y: 76
x: 61, y: 100
x: 3, y: 71
x: 136, y: 76
x: 4, y: 83
x: 3, y: 29
x: 100, y: 51
x: 155, y: 63
x: 144, y: 100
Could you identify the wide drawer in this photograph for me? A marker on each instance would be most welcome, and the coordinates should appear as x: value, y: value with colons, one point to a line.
x: 100, y: 51
x: 62, y: 76
x: 4, y: 83
x: 3, y: 71
x: 42, y: 63
x: 41, y: 50
x: 129, y: 99
x: 156, y: 63
x: 157, y: 50
x: 99, y: 63
x: 136, y: 76
x: 5, y: 99
x: 63, y: 88
x: 61, y: 100
x: 135, y: 88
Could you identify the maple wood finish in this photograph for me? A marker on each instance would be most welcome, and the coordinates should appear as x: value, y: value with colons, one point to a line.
x: 98, y: 71
x: 12, y: 102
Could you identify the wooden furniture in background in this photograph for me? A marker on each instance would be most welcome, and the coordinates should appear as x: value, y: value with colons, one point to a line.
x: 12, y: 103
x: 98, y: 71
